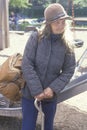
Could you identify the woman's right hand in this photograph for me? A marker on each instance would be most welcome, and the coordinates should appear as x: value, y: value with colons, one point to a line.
x: 40, y: 96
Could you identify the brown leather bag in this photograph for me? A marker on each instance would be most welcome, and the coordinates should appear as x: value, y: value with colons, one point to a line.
x: 10, y: 91
x: 11, y: 68
x: 11, y: 80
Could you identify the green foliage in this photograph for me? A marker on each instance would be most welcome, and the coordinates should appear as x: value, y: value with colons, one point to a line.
x: 23, y: 26
x: 80, y: 3
x: 23, y: 3
x: 35, y: 8
x: 18, y: 3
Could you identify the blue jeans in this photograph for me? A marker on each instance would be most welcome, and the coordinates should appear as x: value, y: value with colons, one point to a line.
x: 30, y: 114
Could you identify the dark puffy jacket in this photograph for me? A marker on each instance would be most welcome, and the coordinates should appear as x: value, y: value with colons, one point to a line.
x: 46, y: 64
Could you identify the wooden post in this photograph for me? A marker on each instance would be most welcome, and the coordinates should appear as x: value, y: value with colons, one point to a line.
x: 6, y: 23
x: 4, y: 26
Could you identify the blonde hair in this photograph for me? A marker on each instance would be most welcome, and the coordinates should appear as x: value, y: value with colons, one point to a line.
x: 68, y: 36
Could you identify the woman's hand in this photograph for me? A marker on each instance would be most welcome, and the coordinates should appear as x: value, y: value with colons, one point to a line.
x: 48, y: 92
x: 40, y: 96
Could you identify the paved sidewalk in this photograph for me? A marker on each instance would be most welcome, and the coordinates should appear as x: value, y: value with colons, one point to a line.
x: 17, y: 43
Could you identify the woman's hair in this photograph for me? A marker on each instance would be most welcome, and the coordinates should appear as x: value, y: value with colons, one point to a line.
x: 67, y: 36
x: 45, y: 30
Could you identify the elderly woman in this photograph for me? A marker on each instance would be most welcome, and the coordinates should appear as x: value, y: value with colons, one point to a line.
x: 48, y: 65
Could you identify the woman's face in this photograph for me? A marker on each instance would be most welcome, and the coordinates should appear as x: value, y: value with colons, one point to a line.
x: 58, y: 26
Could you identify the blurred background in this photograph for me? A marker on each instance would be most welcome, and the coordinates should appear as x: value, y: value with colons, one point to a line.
x: 23, y: 13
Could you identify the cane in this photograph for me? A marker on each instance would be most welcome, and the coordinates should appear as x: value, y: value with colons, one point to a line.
x: 39, y: 108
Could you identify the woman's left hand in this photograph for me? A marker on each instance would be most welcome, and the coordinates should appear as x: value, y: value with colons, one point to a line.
x: 48, y: 92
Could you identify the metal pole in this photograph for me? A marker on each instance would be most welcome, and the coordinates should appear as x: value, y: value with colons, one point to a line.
x: 39, y: 108
x: 2, y: 33
x: 73, y: 15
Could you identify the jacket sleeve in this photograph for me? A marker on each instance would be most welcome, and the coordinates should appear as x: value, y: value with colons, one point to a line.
x: 28, y: 66
x: 66, y: 73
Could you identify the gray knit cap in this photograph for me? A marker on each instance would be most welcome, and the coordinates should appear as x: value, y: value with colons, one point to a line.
x: 55, y: 11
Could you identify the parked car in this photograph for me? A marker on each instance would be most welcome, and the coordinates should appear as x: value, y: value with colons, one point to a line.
x: 22, y: 24
x: 80, y: 21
